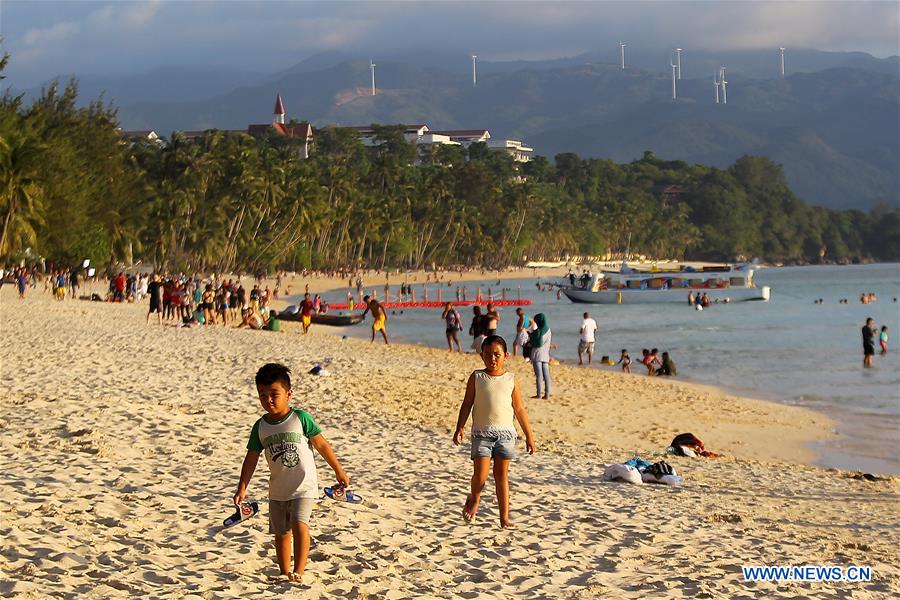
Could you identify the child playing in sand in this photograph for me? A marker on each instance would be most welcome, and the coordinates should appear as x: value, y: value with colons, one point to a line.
x: 287, y: 436
x: 494, y: 398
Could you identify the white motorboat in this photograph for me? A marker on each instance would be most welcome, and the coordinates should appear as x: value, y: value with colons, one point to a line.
x: 722, y: 283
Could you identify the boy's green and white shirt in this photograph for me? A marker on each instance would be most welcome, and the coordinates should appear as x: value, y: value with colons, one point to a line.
x: 292, y: 467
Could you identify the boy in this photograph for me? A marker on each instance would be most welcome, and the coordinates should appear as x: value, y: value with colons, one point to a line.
x: 287, y: 436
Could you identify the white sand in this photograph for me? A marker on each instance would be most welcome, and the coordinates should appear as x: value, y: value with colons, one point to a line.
x: 121, y: 446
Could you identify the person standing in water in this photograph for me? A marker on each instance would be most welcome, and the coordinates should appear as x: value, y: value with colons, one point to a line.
x: 868, y: 339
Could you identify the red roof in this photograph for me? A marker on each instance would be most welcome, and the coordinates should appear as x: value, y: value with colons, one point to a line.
x: 279, y: 106
x: 302, y: 131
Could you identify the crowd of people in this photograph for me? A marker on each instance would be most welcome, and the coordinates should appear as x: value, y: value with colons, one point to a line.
x: 194, y: 301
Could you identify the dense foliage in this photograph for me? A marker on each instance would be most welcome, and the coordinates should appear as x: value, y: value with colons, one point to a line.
x: 73, y: 189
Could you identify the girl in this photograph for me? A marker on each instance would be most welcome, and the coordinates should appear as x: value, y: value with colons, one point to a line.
x: 883, y: 339
x: 540, y: 354
x: 494, y: 398
x: 625, y: 361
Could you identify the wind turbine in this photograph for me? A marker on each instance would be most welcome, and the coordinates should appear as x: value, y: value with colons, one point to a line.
x: 622, y: 53
x: 678, y: 54
x: 723, y: 83
x: 372, y: 68
x: 474, y: 76
x: 782, y: 61
x: 674, y: 76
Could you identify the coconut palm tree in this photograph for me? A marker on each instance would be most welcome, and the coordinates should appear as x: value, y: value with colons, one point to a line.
x: 21, y: 209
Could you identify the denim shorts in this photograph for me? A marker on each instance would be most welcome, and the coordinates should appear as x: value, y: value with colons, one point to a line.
x: 284, y: 513
x: 493, y: 447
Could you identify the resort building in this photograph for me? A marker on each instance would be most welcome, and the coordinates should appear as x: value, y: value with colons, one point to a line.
x: 516, y: 149
x: 422, y: 136
x: 419, y: 134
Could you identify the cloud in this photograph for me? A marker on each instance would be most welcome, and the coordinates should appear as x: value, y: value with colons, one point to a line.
x: 104, y: 37
x: 51, y: 35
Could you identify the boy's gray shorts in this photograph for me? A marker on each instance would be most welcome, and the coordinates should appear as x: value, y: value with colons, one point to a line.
x: 284, y: 513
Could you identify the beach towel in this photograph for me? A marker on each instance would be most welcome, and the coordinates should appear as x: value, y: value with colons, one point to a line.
x: 624, y: 473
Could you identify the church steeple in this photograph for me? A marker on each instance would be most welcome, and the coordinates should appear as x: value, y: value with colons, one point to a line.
x: 279, y: 110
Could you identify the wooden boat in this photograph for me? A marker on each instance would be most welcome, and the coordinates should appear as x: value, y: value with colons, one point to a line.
x: 323, y: 318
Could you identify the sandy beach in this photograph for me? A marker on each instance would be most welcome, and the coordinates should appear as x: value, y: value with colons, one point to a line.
x: 122, y: 444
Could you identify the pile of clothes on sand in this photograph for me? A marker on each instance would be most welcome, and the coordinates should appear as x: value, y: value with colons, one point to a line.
x: 637, y: 470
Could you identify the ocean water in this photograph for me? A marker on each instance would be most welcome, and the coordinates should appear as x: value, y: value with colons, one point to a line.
x: 788, y: 349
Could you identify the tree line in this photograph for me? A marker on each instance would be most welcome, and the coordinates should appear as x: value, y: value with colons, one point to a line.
x: 72, y: 188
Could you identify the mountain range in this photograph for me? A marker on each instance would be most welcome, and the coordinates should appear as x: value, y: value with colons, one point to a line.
x: 833, y: 122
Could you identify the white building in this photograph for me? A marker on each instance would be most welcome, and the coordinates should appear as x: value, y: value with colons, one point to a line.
x: 516, y: 149
x: 422, y: 136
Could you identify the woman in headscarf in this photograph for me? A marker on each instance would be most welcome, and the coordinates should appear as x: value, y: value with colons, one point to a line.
x: 540, y: 354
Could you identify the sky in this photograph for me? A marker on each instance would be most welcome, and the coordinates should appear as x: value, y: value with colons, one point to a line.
x: 50, y: 38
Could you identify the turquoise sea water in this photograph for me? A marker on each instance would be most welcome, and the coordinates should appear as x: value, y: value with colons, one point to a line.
x: 789, y: 349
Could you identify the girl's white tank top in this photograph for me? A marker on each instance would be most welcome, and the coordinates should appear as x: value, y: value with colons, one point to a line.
x: 492, y: 413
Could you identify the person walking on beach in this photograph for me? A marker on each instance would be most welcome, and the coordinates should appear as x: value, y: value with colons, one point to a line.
x: 868, y: 338
x: 625, y: 361
x: 380, y: 317
x: 453, y: 326
x: 539, y: 339
x: 306, y: 311
x: 154, y: 290
x: 494, y: 399
x: 587, y: 331
x: 21, y: 282
x: 287, y: 436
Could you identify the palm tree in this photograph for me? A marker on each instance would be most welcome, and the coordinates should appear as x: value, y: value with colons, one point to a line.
x: 21, y: 209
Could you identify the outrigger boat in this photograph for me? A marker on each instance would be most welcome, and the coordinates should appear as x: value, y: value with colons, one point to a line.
x: 723, y: 283
x: 322, y: 318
